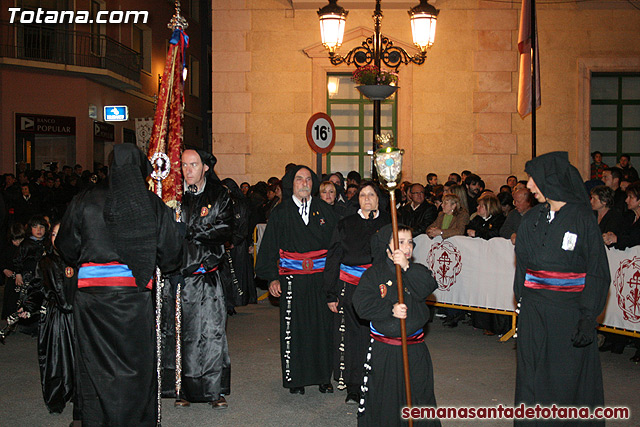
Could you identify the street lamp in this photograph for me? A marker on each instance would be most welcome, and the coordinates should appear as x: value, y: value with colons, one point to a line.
x: 377, y: 49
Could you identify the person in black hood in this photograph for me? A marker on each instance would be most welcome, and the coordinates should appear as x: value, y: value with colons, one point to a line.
x: 115, y: 234
x: 207, y: 211
x: 291, y: 257
x: 561, y: 284
x: 376, y: 300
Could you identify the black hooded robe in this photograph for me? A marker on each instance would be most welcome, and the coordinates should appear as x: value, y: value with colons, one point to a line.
x: 383, y: 385
x: 56, y: 334
x: 206, y: 366
x: 552, y: 320
x: 113, y: 316
x: 307, y: 328
x: 350, y: 246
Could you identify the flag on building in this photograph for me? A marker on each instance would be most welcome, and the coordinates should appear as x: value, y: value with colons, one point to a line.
x: 168, y: 123
x: 524, y: 71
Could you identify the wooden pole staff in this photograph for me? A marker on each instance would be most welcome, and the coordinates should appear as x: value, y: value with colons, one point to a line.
x: 403, y: 323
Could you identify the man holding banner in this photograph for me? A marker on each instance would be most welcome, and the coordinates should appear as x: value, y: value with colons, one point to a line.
x: 561, y: 284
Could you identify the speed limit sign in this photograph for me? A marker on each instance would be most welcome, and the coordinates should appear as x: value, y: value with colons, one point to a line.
x: 321, y: 133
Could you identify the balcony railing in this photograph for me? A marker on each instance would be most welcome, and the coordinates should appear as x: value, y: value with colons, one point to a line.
x: 46, y: 44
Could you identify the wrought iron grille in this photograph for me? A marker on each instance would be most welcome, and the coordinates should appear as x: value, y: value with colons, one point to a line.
x: 47, y: 44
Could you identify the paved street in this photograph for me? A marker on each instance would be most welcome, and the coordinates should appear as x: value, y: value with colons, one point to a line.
x: 470, y: 369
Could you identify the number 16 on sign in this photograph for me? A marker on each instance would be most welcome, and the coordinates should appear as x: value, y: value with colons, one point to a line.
x: 321, y: 136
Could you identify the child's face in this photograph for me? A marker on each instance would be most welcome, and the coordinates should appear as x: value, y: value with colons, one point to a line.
x: 38, y: 231
x: 16, y: 242
x: 406, y: 243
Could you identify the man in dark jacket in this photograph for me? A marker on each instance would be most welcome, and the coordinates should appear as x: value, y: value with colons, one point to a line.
x: 207, y: 211
x: 116, y: 234
x: 419, y: 214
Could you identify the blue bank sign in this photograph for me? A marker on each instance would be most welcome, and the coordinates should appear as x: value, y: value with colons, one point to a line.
x: 116, y: 113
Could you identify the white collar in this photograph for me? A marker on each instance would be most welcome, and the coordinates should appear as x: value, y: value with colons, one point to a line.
x: 298, y: 202
x: 376, y: 215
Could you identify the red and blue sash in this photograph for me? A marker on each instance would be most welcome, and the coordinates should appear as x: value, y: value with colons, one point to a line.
x: 352, y: 273
x: 113, y: 273
x: 302, y: 263
x: 555, y: 280
x: 415, y: 338
x: 202, y: 270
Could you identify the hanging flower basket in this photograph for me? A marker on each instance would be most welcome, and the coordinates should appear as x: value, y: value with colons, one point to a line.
x: 377, y: 92
x: 375, y: 84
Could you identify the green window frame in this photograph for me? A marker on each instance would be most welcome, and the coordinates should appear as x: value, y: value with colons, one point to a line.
x: 360, y: 128
x: 615, y: 115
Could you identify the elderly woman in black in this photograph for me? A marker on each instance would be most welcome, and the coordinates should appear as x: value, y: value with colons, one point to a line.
x: 348, y: 257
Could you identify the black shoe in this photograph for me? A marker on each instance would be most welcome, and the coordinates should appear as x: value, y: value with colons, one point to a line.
x: 296, y: 390
x: 352, y: 398
x: 607, y: 346
x: 325, y: 388
x: 450, y: 324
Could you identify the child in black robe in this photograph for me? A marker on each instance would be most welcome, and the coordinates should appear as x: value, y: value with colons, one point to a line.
x: 376, y: 299
x: 30, y: 252
x: 53, y: 291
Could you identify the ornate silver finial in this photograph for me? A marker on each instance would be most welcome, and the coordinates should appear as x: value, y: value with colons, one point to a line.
x: 178, y: 22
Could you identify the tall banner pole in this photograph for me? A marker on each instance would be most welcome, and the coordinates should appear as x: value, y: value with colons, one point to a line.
x: 534, y: 76
x: 161, y: 167
x: 167, y: 138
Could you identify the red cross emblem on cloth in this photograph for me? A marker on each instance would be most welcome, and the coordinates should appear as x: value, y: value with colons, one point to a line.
x: 383, y: 290
x: 68, y: 272
x: 204, y: 211
x: 307, y: 264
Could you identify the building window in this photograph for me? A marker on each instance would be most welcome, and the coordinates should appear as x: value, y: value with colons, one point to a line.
x: 615, y: 116
x: 194, y: 10
x: 193, y: 77
x: 96, y: 31
x: 352, y: 115
x: 141, y: 43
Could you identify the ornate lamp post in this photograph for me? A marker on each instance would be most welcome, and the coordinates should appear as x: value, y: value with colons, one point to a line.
x: 377, y: 49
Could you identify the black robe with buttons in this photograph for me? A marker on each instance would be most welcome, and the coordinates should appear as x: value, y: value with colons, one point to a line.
x: 310, y: 324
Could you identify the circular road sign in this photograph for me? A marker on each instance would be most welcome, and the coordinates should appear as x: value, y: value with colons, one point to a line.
x: 321, y: 133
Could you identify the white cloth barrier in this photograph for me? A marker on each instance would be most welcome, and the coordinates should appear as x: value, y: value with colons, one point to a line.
x: 479, y: 273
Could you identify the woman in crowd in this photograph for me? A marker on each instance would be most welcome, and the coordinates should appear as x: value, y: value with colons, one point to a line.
x: 451, y: 221
x: 609, y: 219
x: 348, y: 257
x: 329, y: 193
x: 506, y: 202
x: 486, y: 225
x: 460, y: 191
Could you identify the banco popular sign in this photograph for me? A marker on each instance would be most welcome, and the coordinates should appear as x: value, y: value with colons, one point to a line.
x: 52, y: 125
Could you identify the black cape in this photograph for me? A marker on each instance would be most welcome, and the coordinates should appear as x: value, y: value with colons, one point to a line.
x: 551, y: 369
x: 115, y: 336
x: 206, y: 365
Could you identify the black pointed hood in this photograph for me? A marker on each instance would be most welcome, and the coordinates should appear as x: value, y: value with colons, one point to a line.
x: 127, y: 198
x: 287, y: 181
x: 556, y: 178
